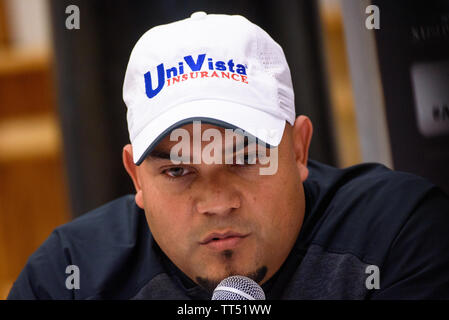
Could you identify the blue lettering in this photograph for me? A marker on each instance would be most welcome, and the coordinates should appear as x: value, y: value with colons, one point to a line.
x: 161, y: 81
x: 194, y: 66
x: 211, y: 64
x: 231, y: 66
x: 220, y: 65
x: 199, y: 62
x: 241, y: 69
x: 171, y: 71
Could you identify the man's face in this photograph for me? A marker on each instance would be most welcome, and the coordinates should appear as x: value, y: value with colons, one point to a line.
x: 217, y: 220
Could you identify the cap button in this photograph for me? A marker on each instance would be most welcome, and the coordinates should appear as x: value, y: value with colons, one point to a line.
x: 198, y: 15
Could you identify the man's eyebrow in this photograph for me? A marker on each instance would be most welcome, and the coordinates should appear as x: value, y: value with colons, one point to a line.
x: 156, y: 155
x: 159, y: 155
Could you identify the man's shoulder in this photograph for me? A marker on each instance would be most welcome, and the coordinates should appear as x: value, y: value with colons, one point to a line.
x: 364, y: 177
x: 111, y: 246
x: 361, y: 209
x: 121, y: 214
x: 366, y: 218
x: 366, y: 185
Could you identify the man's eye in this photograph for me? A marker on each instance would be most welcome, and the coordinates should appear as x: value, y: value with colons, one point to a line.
x: 176, y: 172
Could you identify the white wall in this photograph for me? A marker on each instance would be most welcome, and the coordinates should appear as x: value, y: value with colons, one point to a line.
x: 29, y: 23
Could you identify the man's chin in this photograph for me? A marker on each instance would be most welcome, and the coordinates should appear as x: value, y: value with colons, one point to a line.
x: 209, y: 283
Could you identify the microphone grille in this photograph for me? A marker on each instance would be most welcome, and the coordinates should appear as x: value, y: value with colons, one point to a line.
x: 238, y: 288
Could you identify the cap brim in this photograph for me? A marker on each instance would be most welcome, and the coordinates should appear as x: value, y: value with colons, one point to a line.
x: 265, y: 127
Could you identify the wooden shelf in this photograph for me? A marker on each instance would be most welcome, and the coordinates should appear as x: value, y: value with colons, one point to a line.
x: 18, y: 60
x: 26, y: 82
x: 33, y: 196
x: 29, y: 137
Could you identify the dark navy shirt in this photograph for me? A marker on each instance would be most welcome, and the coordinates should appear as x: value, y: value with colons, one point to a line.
x: 359, y: 218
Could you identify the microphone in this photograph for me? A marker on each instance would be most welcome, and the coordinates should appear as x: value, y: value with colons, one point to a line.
x: 238, y: 288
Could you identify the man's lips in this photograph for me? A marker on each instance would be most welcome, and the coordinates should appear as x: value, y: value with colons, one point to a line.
x: 214, y: 236
x: 223, y: 240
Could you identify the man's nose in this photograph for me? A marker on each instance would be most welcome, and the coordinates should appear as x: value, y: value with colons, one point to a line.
x: 217, y: 198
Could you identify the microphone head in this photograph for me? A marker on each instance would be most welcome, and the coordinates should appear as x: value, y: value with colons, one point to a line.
x: 238, y: 288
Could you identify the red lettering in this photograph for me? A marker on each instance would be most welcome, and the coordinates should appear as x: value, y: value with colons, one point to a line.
x: 232, y: 76
x: 214, y: 74
x: 168, y: 82
x: 225, y: 74
x: 176, y: 79
x: 244, y: 79
x: 204, y: 74
x: 193, y: 77
x: 184, y: 77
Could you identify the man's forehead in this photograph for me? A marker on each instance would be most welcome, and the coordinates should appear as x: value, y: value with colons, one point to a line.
x: 213, y: 144
x: 204, y: 126
x: 166, y: 143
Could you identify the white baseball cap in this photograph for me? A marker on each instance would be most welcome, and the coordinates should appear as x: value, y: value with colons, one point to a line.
x: 219, y: 69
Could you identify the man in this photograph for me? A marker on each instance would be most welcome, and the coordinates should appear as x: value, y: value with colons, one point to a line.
x: 224, y: 187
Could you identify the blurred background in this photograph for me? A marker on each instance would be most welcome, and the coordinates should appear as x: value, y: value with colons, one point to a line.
x: 374, y: 95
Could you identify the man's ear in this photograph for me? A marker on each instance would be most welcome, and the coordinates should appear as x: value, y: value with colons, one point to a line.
x: 302, y: 135
x: 132, y: 169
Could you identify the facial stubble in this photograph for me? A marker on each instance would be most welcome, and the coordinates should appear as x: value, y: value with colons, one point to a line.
x: 209, y: 284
